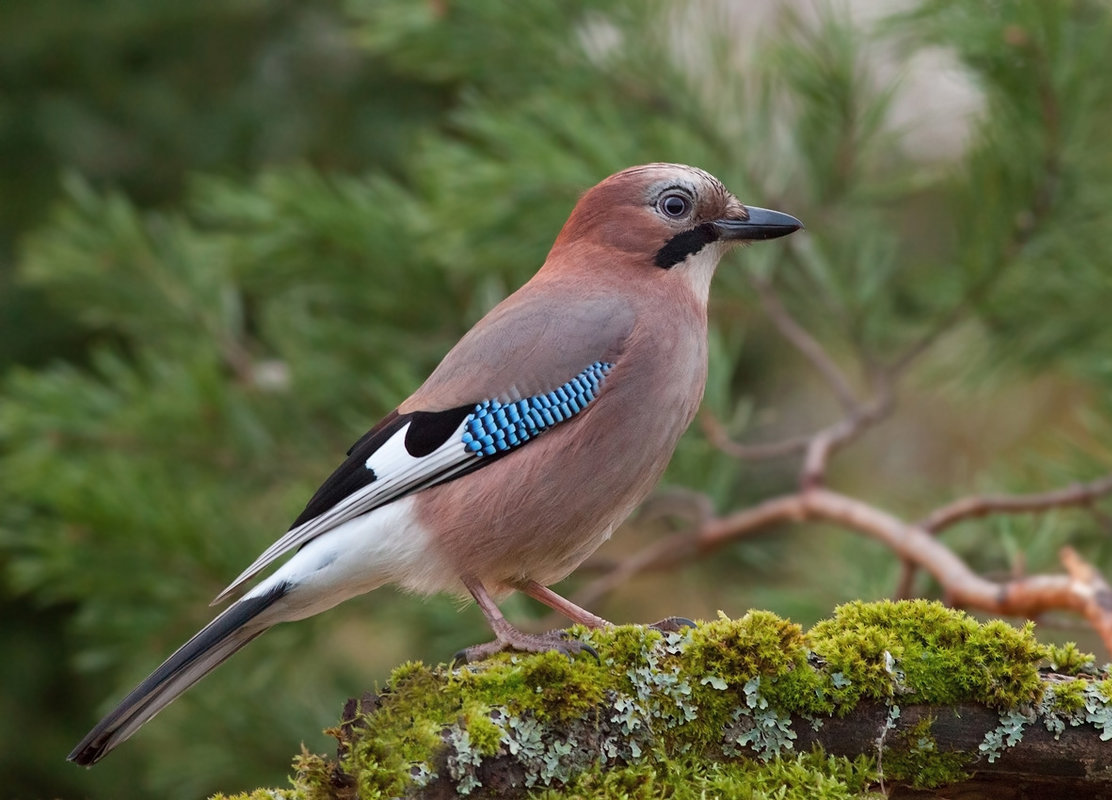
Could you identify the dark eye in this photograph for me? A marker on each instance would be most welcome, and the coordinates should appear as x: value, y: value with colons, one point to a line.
x: 674, y: 205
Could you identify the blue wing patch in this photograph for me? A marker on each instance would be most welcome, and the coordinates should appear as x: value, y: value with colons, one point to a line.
x: 495, y: 428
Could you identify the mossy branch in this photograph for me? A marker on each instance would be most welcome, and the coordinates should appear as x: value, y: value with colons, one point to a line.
x: 881, y: 696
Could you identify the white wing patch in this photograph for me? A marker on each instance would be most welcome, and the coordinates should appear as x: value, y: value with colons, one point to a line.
x: 397, y: 474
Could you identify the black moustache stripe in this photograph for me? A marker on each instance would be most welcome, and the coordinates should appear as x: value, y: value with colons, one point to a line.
x: 685, y: 244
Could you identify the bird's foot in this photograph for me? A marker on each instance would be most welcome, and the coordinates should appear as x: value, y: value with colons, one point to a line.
x: 558, y: 641
x: 673, y: 624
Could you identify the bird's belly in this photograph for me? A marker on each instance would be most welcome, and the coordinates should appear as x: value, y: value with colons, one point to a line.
x: 537, y: 514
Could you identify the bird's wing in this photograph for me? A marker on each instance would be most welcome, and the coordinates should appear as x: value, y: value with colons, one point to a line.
x: 529, y: 365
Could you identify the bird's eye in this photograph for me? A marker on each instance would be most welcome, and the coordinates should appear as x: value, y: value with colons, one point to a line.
x: 674, y: 205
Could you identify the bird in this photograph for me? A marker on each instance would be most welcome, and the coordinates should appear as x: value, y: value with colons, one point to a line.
x: 538, y: 433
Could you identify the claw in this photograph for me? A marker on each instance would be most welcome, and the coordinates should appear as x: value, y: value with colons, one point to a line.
x: 673, y: 624
x: 560, y: 641
x: 477, y: 652
x: 573, y: 644
x: 586, y: 648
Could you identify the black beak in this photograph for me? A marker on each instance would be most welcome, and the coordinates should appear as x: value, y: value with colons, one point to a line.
x: 763, y: 223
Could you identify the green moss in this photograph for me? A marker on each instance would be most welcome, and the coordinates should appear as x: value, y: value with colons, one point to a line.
x: 727, y: 654
x: 1067, y: 696
x: 486, y: 737
x: 1069, y: 660
x: 759, y: 644
x: 916, y: 760
x: 661, y: 712
x: 814, y: 776
x: 1001, y: 670
x: 623, y: 644
x: 546, y: 684
x: 408, y: 723
x: 927, y: 653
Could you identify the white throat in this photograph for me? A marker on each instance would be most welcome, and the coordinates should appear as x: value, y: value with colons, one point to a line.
x: 698, y: 268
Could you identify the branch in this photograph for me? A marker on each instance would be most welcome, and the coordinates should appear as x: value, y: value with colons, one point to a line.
x: 1079, y: 494
x: 924, y: 343
x: 1082, y: 590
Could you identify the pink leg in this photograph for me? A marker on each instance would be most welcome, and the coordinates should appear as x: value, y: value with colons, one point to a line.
x: 507, y: 637
x: 573, y: 612
x: 542, y: 594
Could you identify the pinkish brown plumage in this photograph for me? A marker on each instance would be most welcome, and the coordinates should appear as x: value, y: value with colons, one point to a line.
x: 538, y: 433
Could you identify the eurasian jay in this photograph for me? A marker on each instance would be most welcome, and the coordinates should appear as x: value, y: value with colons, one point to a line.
x: 538, y: 433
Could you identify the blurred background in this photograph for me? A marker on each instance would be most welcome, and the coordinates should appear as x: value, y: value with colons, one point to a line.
x: 233, y: 233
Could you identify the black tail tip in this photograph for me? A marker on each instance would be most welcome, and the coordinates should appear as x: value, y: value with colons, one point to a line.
x: 92, y: 749
x: 85, y: 756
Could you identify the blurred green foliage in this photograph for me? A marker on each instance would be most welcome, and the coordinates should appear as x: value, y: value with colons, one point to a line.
x: 234, y: 234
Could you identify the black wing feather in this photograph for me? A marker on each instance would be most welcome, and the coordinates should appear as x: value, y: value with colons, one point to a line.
x: 428, y: 430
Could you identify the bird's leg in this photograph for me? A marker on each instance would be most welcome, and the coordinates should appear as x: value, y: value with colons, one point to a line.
x: 510, y: 638
x: 573, y: 612
x: 542, y: 594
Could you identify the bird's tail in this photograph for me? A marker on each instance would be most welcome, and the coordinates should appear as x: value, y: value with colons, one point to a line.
x: 213, y: 644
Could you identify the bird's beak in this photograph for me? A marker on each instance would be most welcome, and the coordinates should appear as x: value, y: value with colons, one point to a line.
x: 763, y: 223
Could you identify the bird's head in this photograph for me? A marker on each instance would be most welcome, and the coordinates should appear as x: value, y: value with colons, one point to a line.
x: 665, y: 217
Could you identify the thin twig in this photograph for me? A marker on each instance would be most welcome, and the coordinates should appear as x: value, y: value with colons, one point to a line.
x: 817, y: 447
x: 718, y: 436
x: 670, y: 550
x: 824, y: 443
x: 806, y: 344
x: 900, y: 364
x: 1079, y: 494
x: 693, y: 506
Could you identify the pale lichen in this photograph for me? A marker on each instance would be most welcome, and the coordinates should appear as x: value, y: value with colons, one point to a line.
x: 757, y: 726
x: 1097, y: 710
x: 1007, y: 734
